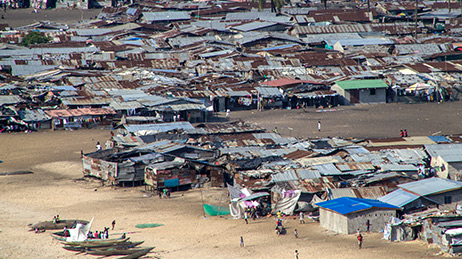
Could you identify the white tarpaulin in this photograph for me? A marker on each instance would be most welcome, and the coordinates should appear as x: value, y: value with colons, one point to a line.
x: 288, y: 202
x: 80, y: 232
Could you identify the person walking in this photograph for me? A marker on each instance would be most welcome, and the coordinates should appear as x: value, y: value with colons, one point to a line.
x: 302, y: 218
x: 164, y: 191
x: 246, y: 217
x: 242, y: 241
x: 368, y: 225
x: 296, y: 254
x: 360, y: 241
x: 113, y: 224
x: 296, y: 233
x: 405, y: 133
x: 319, y: 125
x: 402, y: 133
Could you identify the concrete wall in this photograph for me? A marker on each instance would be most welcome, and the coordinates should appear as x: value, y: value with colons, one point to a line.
x: 456, y: 196
x: 364, y: 95
x: 349, y: 224
x: 377, y: 218
x: 333, y: 221
x: 344, y: 97
x: 379, y: 97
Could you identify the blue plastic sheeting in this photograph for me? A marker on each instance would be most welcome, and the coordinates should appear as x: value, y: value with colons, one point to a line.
x: 347, y: 205
x: 439, y: 139
x: 172, y: 183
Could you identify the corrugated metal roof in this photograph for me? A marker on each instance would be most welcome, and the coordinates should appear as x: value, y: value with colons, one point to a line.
x: 430, y: 186
x: 34, y: 116
x: 79, y: 112
x: 326, y: 169
x: 253, y: 26
x: 344, y: 167
x: 146, y: 129
x: 181, y: 107
x: 166, y: 16
x: 449, y: 152
x: 268, y: 91
x: 360, y: 42
x: 398, y: 168
x: 399, y: 198
x: 360, y: 84
x: 319, y: 160
x: 343, y: 28
x: 347, y: 205
x: 10, y: 99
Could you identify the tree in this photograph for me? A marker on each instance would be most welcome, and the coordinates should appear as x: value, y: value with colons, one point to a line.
x: 34, y: 37
x: 276, y: 5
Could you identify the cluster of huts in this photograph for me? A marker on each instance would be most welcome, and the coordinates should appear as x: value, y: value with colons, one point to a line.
x: 159, y: 71
x: 182, y: 61
x: 345, y: 182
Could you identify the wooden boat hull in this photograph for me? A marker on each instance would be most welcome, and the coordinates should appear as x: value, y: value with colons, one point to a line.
x: 123, y: 245
x: 60, y: 236
x: 117, y: 251
x: 137, y: 254
x: 60, y: 225
x: 101, y: 242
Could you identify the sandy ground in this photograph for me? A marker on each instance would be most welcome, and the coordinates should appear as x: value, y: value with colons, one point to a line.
x: 55, y: 188
x: 21, y: 17
x: 361, y: 121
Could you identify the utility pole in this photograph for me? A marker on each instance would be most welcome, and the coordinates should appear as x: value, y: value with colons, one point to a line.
x: 415, y: 17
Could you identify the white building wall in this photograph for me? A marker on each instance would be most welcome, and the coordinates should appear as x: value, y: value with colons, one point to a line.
x: 333, y: 221
x: 377, y: 218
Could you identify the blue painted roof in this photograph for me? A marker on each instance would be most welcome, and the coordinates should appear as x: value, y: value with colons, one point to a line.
x: 347, y: 205
x: 439, y: 139
x: 399, y: 198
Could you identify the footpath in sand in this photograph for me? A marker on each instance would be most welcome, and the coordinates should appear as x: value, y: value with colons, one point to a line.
x: 54, y: 188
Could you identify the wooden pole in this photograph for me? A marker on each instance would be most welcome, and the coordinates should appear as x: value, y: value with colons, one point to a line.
x: 415, y: 17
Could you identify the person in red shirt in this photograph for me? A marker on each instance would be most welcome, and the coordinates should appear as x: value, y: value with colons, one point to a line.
x: 360, y: 241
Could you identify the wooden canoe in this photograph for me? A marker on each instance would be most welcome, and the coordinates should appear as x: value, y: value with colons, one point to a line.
x: 101, y: 242
x: 60, y: 236
x: 123, y: 245
x: 117, y: 251
x: 137, y: 254
x: 60, y: 225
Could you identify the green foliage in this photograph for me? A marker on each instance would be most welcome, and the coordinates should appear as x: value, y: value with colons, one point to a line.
x: 34, y: 37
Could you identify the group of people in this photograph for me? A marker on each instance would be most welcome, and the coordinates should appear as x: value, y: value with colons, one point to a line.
x: 99, y: 235
x: 165, y: 193
x: 403, y: 133
x: 56, y: 219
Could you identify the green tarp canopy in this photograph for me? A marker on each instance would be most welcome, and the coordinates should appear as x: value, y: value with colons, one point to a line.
x: 216, y: 210
x: 148, y: 225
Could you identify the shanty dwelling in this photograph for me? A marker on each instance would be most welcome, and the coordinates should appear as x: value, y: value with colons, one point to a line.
x: 430, y: 192
x: 361, y: 91
x: 78, y: 118
x: 169, y: 174
x: 119, y: 167
x: 446, y: 159
x: 36, y: 119
x: 346, y: 215
x: 269, y: 97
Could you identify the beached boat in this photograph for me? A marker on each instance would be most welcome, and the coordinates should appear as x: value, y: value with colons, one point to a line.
x: 68, y: 223
x: 60, y: 236
x: 123, y: 245
x: 137, y: 254
x: 117, y: 251
x: 101, y: 243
